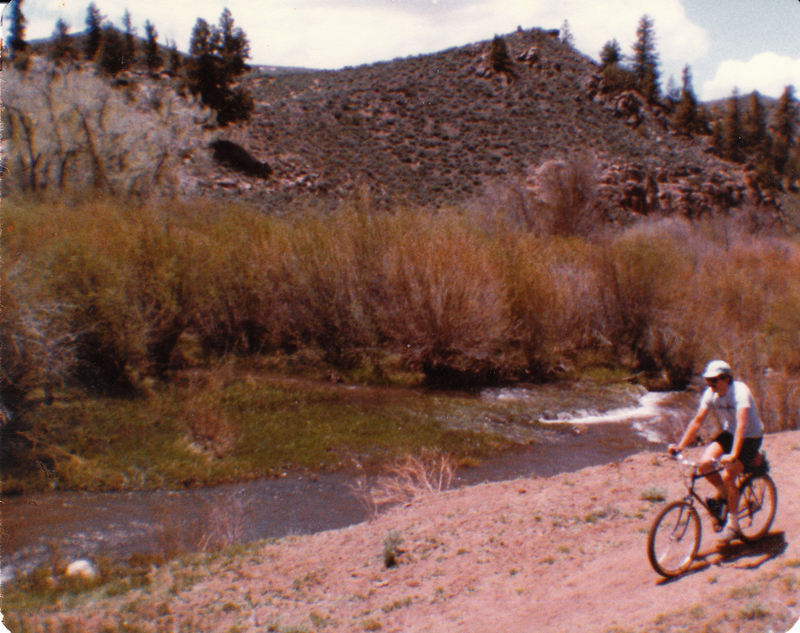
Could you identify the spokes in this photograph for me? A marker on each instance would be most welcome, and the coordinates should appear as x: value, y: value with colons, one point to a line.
x: 674, y: 538
x: 757, y: 504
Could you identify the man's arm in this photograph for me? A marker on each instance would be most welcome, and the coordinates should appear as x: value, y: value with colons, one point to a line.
x: 691, y: 430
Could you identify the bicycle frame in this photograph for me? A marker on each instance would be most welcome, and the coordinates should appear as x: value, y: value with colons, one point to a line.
x: 692, y: 478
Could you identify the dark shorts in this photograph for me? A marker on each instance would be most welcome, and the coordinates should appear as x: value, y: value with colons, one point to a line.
x: 750, y: 446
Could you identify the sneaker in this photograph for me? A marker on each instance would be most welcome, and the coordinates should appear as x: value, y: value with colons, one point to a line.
x: 731, y: 533
x: 717, y: 509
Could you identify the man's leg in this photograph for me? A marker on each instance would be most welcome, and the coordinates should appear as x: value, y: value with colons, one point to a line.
x: 729, y: 476
x: 712, y: 453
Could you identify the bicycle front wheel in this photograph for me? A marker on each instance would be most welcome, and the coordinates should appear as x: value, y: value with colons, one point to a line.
x: 674, y: 539
x: 758, y: 501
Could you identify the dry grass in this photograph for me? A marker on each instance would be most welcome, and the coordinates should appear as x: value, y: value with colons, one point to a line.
x: 409, y: 478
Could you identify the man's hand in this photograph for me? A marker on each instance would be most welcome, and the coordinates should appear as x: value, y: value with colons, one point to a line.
x: 727, y: 459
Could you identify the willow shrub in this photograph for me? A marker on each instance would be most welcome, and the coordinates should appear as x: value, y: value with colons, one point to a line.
x: 120, y: 279
x: 646, y: 274
x: 554, y: 307
x: 747, y: 310
x: 330, y: 271
x: 441, y: 301
x: 108, y: 290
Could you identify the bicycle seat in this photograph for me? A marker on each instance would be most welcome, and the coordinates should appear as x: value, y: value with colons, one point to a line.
x: 759, y: 465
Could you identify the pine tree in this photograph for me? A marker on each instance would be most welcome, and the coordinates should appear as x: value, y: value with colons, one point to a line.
x: 610, y: 54
x: 687, y: 116
x: 754, y: 128
x: 673, y: 93
x: 783, y: 129
x: 732, y: 130
x: 112, y: 51
x: 175, y: 61
x: 63, y: 50
x: 566, y: 35
x: 218, y: 58
x: 152, y: 54
x: 16, y: 41
x: 645, y: 60
x: 94, y: 31
x: 233, y: 46
x: 499, y: 57
x: 128, y: 42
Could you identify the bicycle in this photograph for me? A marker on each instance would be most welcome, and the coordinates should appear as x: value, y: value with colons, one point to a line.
x: 674, y: 537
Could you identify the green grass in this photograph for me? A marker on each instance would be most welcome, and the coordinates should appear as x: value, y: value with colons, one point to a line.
x: 256, y: 425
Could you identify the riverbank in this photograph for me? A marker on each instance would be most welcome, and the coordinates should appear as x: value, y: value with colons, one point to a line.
x: 238, y: 423
x: 562, y: 553
x: 163, y: 524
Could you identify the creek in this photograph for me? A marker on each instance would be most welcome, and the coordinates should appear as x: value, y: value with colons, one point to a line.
x: 71, y: 525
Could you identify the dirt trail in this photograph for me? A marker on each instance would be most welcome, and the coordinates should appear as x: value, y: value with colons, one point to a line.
x: 566, y: 553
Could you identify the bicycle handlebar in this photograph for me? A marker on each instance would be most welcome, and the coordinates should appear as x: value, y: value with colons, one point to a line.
x: 715, y: 463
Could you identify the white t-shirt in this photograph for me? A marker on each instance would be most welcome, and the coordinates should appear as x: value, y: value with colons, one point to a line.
x: 736, y: 397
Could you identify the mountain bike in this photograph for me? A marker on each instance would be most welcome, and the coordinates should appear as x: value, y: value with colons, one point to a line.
x: 675, y: 535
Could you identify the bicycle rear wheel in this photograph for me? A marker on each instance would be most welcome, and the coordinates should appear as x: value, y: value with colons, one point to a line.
x: 758, y: 501
x: 674, y: 539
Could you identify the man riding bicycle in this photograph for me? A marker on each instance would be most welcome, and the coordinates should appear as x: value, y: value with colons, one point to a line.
x: 737, y: 445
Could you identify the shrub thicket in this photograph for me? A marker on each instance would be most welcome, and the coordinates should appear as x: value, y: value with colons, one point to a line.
x: 107, y: 292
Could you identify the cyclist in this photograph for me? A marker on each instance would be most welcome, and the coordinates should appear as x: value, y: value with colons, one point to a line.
x: 738, y: 444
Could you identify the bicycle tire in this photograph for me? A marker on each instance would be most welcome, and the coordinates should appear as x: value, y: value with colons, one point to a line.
x: 674, y: 539
x: 758, y: 503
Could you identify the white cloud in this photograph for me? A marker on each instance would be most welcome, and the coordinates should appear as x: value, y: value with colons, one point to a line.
x: 766, y: 72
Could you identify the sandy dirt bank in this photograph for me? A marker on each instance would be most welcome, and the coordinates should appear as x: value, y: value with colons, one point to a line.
x: 566, y: 553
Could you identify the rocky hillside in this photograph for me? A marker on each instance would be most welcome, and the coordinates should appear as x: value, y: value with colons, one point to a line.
x: 436, y: 129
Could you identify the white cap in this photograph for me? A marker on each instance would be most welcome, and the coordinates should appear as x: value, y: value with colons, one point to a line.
x: 717, y: 368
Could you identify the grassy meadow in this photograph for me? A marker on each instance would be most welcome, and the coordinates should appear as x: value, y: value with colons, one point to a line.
x: 157, y: 322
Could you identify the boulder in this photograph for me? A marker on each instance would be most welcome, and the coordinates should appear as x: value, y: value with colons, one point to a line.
x: 81, y: 568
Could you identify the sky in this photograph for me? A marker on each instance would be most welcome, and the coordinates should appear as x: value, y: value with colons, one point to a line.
x: 728, y: 44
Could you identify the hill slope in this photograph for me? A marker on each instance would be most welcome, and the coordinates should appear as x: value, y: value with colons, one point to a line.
x: 566, y: 553
x: 436, y: 129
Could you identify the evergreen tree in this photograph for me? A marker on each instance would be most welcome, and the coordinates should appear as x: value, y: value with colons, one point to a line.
x: 94, y: 31
x: 499, y: 57
x: 610, y: 54
x: 717, y: 135
x: 63, y: 50
x: 218, y: 58
x: 732, y: 130
x: 673, y: 93
x: 566, y: 35
x: 112, y: 51
x: 152, y: 54
x: 16, y: 41
x: 783, y: 129
x: 687, y: 116
x: 128, y: 42
x: 174, y: 59
x: 754, y: 128
x: 645, y: 60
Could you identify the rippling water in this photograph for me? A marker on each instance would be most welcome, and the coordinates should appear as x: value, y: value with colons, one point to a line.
x: 119, y: 524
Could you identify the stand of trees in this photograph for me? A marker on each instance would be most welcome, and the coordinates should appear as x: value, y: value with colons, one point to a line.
x: 218, y: 59
x: 218, y: 55
x: 642, y: 74
x: 740, y: 131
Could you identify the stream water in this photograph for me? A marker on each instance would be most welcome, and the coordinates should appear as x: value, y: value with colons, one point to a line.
x: 119, y: 524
